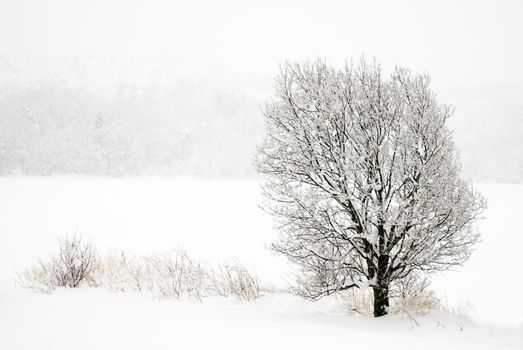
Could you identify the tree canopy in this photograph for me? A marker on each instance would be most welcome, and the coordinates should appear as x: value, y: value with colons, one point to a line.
x: 363, y: 178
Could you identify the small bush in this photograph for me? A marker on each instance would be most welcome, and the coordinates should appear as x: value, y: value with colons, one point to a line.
x: 360, y: 300
x: 411, y: 294
x: 235, y: 280
x: 120, y: 273
x: 69, y: 267
x: 178, y: 276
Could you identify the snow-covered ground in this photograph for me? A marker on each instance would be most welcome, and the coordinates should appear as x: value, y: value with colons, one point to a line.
x: 215, y: 220
x: 90, y: 318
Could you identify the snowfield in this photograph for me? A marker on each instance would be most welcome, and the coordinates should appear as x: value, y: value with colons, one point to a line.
x: 90, y: 318
x: 216, y: 220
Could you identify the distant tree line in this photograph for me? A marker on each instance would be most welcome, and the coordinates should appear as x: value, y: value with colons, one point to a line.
x: 103, y: 117
x: 192, y: 129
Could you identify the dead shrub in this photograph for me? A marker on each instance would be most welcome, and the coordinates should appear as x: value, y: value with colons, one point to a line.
x: 360, y: 300
x: 120, y: 273
x: 411, y: 294
x: 69, y: 267
x: 234, y: 279
x: 179, y: 276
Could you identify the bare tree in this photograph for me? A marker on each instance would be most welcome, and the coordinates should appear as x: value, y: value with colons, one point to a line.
x: 363, y: 178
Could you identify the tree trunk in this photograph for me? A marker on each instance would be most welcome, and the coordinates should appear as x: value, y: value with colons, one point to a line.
x: 381, y: 299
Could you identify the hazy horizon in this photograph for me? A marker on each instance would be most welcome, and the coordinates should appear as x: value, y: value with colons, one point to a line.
x: 155, y: 50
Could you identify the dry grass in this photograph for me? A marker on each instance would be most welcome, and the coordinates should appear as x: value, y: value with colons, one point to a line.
x: 409, y: 295
x: 361, y: 301
x: 234, y: 279
x: 171, y: 275
x: 421, y: 302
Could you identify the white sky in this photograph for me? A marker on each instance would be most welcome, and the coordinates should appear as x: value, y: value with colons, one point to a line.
x: 459, y: 42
